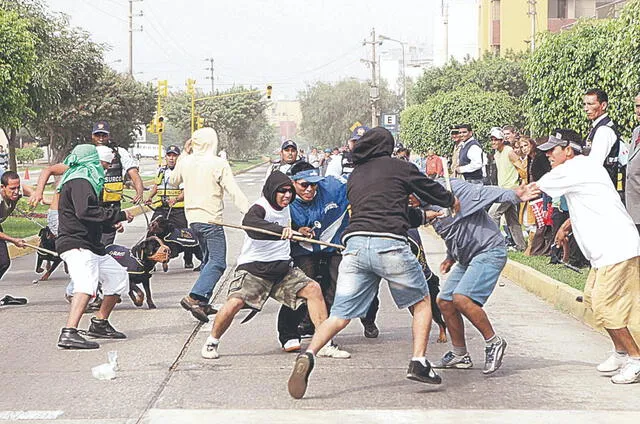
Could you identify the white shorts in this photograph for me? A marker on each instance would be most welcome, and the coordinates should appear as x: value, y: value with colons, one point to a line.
x: 86, y: 269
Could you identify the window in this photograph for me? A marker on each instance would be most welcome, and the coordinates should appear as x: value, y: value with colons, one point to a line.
x: 558, y: 9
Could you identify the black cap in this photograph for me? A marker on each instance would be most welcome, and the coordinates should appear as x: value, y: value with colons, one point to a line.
x: 100, y: 127
x: 289, y: 143
x: 173, y: 149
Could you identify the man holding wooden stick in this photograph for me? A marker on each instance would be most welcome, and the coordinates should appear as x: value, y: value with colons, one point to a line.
x: 264, y: 266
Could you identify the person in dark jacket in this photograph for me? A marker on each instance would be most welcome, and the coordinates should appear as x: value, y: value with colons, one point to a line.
x: 82, y: 220
x: 377, y: 248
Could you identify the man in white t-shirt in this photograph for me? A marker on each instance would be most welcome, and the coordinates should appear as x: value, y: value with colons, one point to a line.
x: 608, y: 238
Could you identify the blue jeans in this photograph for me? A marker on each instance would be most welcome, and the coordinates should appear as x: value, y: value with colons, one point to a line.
x: 478, y: 279
x: 214, y: 259
x: 365, y: 261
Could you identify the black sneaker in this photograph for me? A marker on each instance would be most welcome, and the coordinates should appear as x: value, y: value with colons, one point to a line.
x: 196, y: 307
x: 418, y: 372
x: 70, y: 339
x: 188, y: 264
x: 300, y: 375
x: 95, y: 304
x: 370, y: 330
x: 100, y: 328
x: 197, y: 269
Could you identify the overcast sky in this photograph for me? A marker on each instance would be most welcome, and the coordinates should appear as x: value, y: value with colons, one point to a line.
x: 254, y: 42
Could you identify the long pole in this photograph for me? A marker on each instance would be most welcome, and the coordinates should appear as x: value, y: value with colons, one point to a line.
x: 404, y: 77
x: 131, y: 38
x: 210, y: 68
x: 532, y: 15
x: 374, y: 85
x: 445, y: 21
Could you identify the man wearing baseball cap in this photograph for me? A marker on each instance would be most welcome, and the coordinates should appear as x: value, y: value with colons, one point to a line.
x: 170, y: 201
x: 608, y: 238
x: 288, y: 158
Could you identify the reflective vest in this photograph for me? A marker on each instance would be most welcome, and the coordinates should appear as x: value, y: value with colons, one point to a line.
x: 166, y: 191
x: 113, y: 181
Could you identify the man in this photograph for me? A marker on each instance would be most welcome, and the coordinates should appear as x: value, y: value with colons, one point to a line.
x: 455, y: 156
x: 170, y: 203
x: 288, y: 157
x: 605, y: 233
x: 264, y: 268
x: 111, y: 196
x: 433, y: 167
x: 510, y: 135
x: 470, y: 156
x: 4, y: 159
x: 632, y: 189
x: 475, y: 243
x: 506, y: 161
x: 82, y: 219
x: 10, y: 192
x: 376, y: 248
x: 603, y: 141
x: 206, y: 177
x: 314, y: 157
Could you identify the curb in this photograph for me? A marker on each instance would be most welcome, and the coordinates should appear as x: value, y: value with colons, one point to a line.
x: 15, y: 251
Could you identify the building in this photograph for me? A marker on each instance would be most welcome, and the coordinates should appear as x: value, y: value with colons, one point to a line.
x: 285, y: 116
x: 506, y: 25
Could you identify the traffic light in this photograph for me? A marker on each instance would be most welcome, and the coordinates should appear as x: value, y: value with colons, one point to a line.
x: 191, y: 86
x: 199, y: 122
x: 160, y: 124
x: 269, y: 88
x: 151, y: 126
x: 163, y: 88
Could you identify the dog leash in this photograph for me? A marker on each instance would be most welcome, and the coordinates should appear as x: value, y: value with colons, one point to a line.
x: 26, y: 215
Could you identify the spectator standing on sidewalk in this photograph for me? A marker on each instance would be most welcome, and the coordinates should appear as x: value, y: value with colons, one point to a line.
x: 606, y: 234
x: 506, y: 161
x: 206, y: 178
x: 632, y: 190
x: 470, y: 160
x: 433, y: 166
x: 4, y: 159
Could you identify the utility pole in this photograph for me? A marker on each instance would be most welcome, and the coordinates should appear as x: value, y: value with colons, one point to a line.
x: 131, y: 30
x: 532, y: 15
x: 374, y: 93
x: 445, y: 23
x: 210, y: 68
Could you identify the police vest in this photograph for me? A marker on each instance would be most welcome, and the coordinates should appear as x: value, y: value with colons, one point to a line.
x: 616, y: 172
x: 113, y: 181
x: 464, y: 160
x: 166, y: 191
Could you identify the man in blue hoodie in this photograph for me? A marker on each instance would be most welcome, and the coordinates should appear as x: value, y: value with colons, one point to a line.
x: 377, y: 248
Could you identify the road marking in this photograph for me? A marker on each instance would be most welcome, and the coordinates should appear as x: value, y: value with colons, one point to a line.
x: 29, y: 415
x: 374, y: 416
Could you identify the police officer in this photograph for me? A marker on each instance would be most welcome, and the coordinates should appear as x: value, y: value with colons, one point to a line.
x: 288, y: 158
x: 169, y: 202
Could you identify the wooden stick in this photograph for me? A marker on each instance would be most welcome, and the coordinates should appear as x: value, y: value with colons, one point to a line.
x: 447, y: 181
x: 42, y: 249
x: 272, y: 233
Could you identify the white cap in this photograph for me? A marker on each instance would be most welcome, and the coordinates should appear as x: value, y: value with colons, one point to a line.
x: 105, y: 153
x: 497, y: 133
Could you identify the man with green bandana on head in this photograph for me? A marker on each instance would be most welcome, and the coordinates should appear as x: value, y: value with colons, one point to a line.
x: 82, y: 220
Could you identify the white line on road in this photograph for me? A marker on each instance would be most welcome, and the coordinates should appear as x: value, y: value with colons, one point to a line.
x: 29, y: 415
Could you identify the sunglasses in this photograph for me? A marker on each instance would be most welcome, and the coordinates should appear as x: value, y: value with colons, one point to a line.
x: 283, y: 190
x: 307, y: 184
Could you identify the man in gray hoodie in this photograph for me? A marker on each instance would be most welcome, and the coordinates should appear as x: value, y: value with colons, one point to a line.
x: 474, y: 241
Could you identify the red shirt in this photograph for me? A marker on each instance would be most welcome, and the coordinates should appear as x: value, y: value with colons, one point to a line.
x: 434, y: 165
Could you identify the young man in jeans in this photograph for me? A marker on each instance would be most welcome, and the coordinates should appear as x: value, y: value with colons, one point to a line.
x: 206, y: 177
x: 474, y: 241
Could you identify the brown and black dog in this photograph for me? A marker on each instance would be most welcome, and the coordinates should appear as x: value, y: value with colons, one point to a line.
x: 47, y: 241
x: 140, y: 261
x: 179, y: 240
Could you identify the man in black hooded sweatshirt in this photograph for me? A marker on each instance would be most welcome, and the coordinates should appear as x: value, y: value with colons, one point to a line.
x: 377, y: 248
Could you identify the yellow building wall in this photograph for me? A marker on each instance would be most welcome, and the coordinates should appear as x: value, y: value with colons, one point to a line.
x: 515, y: 24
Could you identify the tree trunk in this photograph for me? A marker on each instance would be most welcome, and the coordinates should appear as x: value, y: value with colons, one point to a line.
x: 12, y: 149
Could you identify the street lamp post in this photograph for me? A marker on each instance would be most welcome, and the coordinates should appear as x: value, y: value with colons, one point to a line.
x: 404, y: 69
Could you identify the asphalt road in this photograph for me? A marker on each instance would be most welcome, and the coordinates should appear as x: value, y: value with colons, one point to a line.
x: 548, y: 373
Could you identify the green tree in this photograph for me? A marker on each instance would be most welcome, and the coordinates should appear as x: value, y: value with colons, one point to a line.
x: 427, y: 125
x: 329, y: 110
x: 593, y: 53
x: 490, y: 73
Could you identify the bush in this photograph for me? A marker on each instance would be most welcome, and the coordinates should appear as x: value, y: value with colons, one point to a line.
x: 29, y: 155
x: 427, y: 125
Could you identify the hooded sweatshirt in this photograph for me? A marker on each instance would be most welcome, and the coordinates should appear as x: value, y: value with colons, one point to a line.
x: 379, y: 188
x: 206, y: 177
x: 263, y: 255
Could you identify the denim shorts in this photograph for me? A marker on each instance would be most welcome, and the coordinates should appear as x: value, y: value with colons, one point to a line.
x: 365, y: 261
x: 478, y: 279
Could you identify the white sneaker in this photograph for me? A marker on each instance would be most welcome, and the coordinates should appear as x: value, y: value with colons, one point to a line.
x: 292, y: 345
x: 333, y: 351
x: 630, y: 373
x: 613, y: 362
x: 210, y: 350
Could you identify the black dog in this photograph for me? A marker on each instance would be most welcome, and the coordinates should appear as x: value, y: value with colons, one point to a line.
x: 139, y: 262
x: 47, y: 241
x: 179, y: 240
